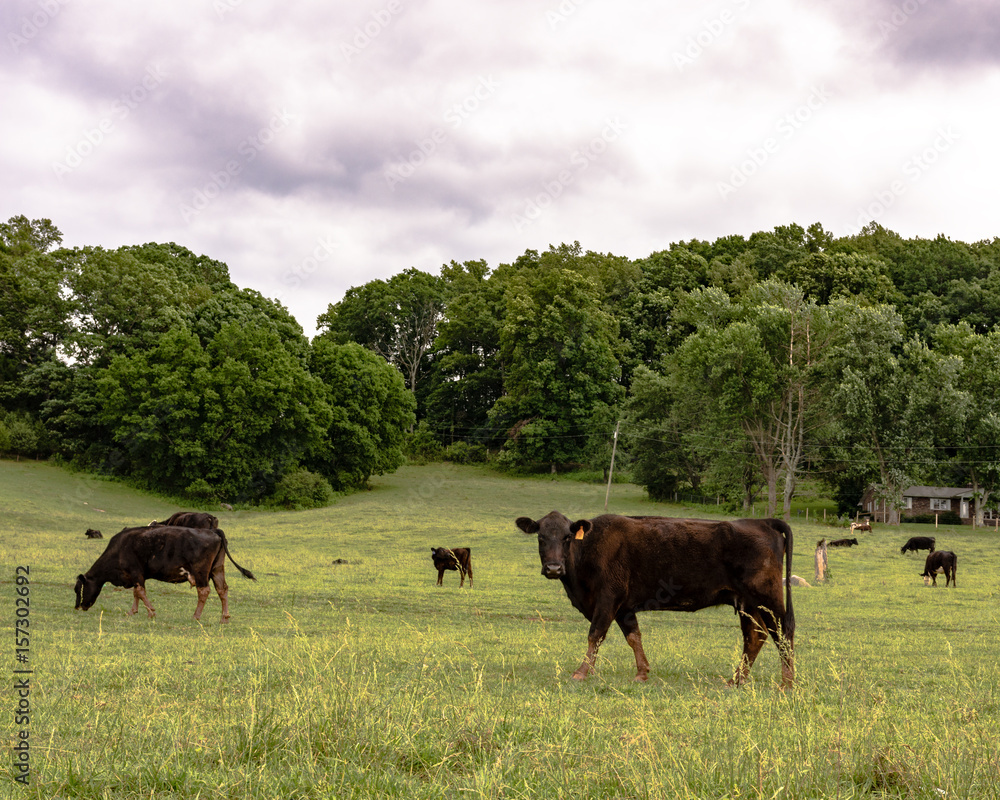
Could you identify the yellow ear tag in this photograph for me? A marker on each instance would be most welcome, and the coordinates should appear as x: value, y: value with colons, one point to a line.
x: 579, y: 534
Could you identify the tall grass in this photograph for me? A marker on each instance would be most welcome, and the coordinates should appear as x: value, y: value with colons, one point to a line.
x: 364, y: 679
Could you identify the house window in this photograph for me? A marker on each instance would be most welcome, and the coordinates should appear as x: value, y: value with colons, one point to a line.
x: 943, y: 504
x: 907, y: 502
x: 964, y: 513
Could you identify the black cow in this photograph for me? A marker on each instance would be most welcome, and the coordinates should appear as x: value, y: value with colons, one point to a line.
x: 842, y: 543
x: 93, y: 534
x: 915, y: 543
x: 940, y: 561
x: 612, y: 567
x: 163, y: 553
x: 188, y: 519
x: 456, y: 558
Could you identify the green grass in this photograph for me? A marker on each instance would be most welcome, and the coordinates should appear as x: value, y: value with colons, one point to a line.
x: 364, y: 679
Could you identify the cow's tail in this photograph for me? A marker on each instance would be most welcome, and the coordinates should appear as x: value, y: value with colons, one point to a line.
x: 786, y: 529
x: 225, y: 546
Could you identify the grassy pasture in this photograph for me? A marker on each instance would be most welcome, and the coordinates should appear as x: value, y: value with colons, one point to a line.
x: 364, y: 679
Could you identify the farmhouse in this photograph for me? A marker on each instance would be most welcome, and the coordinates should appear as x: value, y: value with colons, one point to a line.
x: 921, y: 500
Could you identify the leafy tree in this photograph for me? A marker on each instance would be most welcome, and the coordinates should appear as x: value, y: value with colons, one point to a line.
x: 370, y: 410
x: 560, y: 370
x: 971, y: 427
x: 236, y: 413
x: 121, y: 304
x: 34, y: 315
x: 467, y: 379
x: 397, y: 319
x: 755, y: 365
x: 891, y: 397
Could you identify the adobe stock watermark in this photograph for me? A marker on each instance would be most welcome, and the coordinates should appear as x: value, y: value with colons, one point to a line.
x: 560, y: 14
x: 785, y: 128
x: 365, y: 34
x: 913, y: 169
x: 247, y: 151
x: 33, y: 24
x: 454, y: 117
x: 92, y: 138
x: 325, y: 247
x: 580, y: 160
x: 898, y: 17
x: 710, y: 31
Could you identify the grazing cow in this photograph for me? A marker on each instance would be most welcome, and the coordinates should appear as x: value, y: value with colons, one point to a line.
x: 861, y: 526
x: 456, y: 558
x: 170, y: 554
x: 937, y: 562
x: 842, y: 543
x: 915, y: 543
x: 188, y: 519
x: 795, y: 580
x: 93, y: 534
x: 612, y: 567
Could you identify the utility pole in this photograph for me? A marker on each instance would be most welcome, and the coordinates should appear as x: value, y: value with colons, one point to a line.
x: 611, y: 471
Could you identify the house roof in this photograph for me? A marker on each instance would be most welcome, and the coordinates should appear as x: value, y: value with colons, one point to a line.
x: 940, y: 492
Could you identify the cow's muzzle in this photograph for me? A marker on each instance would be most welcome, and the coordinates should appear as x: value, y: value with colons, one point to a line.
x: 553, y: 570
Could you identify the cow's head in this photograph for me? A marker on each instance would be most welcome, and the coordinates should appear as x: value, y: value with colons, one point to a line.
x: 555, y: 535
x: 87, y: 590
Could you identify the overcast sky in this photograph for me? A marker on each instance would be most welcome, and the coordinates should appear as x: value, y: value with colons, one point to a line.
x: 317, y: 146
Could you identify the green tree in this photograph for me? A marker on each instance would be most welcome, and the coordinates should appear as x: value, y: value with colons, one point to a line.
x: 34, y: 314
x: 755, y: 365
x: 370, y: 410
x: 235, y: 413
x: 971, y: 429
x: 397, y: 319
x: 560, y: 371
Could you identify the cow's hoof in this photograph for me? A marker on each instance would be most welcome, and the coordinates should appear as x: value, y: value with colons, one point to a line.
x: 642, y: 677
x: 579, y: 675
x: 224, y: 621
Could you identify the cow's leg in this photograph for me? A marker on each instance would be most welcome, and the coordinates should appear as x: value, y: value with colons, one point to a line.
x: 461, y: 573
x: 222, y: 589
x: 203, y: 592
x: 139, y: 593
x: 630, y: 627
x: 786, y: 651
x: 440, y: 575
x: 754, y: 636
x: 469, y: 571
x: 599, y: 625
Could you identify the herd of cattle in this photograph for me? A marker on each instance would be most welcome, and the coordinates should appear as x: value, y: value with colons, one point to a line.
x: 611, y: 567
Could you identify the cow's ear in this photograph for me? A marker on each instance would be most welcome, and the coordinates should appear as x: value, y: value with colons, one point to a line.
x: 580, y: 528
x: 526, y: 524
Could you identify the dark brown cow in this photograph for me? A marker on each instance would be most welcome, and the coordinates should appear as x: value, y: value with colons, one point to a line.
x: 842, y: 543
x: 169, y: 554
x: 92, y: 533
x: 456, y: 558
x: 937, y: 562
x: 612, y: 567
x: 188, y: 519
x: 915, y: 543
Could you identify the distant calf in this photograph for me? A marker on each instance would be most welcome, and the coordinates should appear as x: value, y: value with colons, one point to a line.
x: 861, y: 526
x: 843, y: 543
x: 456, y: 558
x: 937, y: 562
x: 93, y: 534
x: 915, y: 543
x: 188, y: 519
x: 174, y: 555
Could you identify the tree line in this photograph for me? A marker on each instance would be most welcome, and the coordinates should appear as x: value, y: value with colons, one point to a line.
x: 735, y: 367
